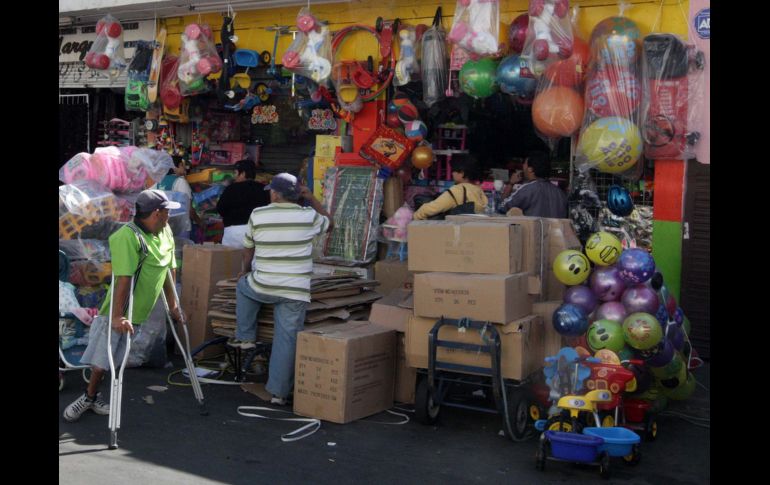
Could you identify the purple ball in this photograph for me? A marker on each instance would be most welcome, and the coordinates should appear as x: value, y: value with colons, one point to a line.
x: 611, y: 310
x: 662, y: 314
x: 640, y: 298
x: 676, y: 337
x: 663, y: 355
x: 607, y: 284
x: 581, y: 296
x: 679, y: 316
x: 635, y: 266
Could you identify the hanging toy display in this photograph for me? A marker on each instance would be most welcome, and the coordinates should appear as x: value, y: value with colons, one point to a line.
x: 478, y: 78
x: 407, y: 65
x: 310, y: 53
x: 106, y: 52
x: 515, y: 78
x: 476, y: 26
x: 199, y: 58
x: 549, y: 34
x: 434, y: 62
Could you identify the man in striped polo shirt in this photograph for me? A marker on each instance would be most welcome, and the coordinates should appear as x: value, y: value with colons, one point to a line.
x: 279, y: 239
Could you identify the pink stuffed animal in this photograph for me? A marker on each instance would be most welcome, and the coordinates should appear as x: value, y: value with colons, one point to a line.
x: 476, y: 26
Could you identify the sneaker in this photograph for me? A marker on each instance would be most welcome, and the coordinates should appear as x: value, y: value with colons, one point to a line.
x: 99, y: 406
x: 242, y: 344
x: 279, y: 401
x: 83, y: 404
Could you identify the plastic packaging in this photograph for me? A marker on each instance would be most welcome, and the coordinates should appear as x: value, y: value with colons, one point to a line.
x: 106, y: 53
x: 135, y: 98
x: 170, y: 94
x: 90, y: 273
x: 87, y: 198
x: 549, y: 34
x: 672, y: 74
x: 476, y: 26
x: 123, y: 169
x: 310, y: 53
x: 199, y: 58
x: 90, y: 249
x: 395, y: 227
x: 407, y: 66
x: 435, y: 72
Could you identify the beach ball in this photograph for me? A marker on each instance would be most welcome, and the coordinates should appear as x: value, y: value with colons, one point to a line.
x: 606, y: 334
x: 583, y: 297
x: 606, y: 283
x: 635, y: 266
x: 612, y: 145
x: 611, y: 310
x: 557, y: 111
x: 571, y: 267
x: 478, y: 79
x: 603, y: 248
x: 515, y: 78
x: 642, y: 331
x: 640, y: 298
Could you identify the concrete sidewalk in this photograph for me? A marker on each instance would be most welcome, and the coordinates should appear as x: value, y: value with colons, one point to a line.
x: 169, y: 442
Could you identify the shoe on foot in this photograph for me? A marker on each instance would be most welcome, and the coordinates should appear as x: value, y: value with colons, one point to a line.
x: 280, y: 401
x: 100, y: 406
x: 242, y: 344
x: 83, y: 404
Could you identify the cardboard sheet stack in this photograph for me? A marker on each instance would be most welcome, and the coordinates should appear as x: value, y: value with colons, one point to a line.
x: 334, y: 299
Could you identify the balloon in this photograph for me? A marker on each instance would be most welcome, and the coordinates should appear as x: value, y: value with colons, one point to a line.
x: 662, y: 355
x: 603, y: 248
x: 477, y: 78
x: 572, y: 71
x: 612, y: 145
x: 607, y: 284
x: 611, y: 310
x: 684, y: 390
x: 570, y: 320
x: 605, y: 334
x: 635, y: 265
x: 571, y: 267
x: 517, y: 33
x: 557, y: 111
x: 640, y: 298
x: 515, y: 78
x: 642, y: 331
x: 615, y: 92
x: 422, y: 157
x: 581, y: 296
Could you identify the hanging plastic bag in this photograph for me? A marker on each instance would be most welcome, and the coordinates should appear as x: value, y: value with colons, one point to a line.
x: 170, y: 94
x: 549, y: 34
x: 476, y: 26
x: 434, y: 62
x: 610, y: 139
x: 106, y: 53
x: 310, y: 53
x: 89, y: 249
x: 135, y: 97
x: 407, y: 66
x: 199, y: 59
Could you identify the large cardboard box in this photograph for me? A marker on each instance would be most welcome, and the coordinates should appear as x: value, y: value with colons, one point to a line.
x: 406, y: 377
x: 387, y: 312
x: 521, y: 342
x: 493, y: 298
x: 473, y: 247
x: 393, y: 274
x: 344, y: 372
x: 552, y: 340
x: 204, y: 266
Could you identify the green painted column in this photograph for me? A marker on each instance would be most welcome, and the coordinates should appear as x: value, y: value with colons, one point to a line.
x: 667, y: 251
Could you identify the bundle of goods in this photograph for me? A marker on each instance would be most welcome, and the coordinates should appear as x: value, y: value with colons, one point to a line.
x: 106, y: 52
x: 119, y: 169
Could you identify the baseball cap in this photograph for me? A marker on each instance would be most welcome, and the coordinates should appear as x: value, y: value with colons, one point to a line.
x: 285, y: 184
x: 150, y: 200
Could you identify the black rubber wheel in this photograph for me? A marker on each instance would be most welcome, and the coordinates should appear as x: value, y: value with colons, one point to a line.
x: 265, y: 57
x: 518, y: 414
x: 541, y: 454
x: 650, y: 428
x: 86, y: 374
x: 634, y: 457
x: 604, y: 465
x: 378, y: 24
x: 425, y: 411
x: 553, y: 424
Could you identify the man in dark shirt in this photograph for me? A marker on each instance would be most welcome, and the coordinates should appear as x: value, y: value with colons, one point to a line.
x: 537, y: 197
x: 237, y: 201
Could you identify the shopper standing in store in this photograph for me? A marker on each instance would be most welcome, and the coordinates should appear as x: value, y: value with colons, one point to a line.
x: 465, y: 194
x: 279, y: 240
x: 237, y: 201
x: 537, y: 196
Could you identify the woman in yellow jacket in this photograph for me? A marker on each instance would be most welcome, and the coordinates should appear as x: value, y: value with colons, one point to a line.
x: 465, y: 173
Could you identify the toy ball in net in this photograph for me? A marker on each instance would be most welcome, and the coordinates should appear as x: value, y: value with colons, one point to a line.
x: 612, y: 145
x: 642, y: 331
x: 615, y: 40
x: 478, y: 78
x: 515, y: 78
x: 571, y: 267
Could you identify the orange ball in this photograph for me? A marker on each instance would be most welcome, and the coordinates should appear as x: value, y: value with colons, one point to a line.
x: 571, y: 71
x: 422, y: 157
x: 557, y: 111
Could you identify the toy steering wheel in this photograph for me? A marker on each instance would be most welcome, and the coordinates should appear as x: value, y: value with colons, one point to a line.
x: 387, y: 71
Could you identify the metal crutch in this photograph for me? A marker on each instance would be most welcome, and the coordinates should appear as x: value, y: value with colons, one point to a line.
x: 116, y: 383
x: 185, y: 352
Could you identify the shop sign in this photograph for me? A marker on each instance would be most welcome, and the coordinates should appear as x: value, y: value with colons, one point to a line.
x: 703, y: 23
x: 264, y: 115
x: 322, y: 119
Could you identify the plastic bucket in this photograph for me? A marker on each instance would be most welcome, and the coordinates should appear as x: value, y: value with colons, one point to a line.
x: 617, y: 441
x: 574, y: 447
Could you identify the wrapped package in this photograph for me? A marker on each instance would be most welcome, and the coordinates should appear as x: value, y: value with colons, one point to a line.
x: 610, y: 139
x: 549, y: 34
x: 90, y: 249
x: 199, y: 58
x: 434, y: 69
x: 476, y: 27
x: 408, y: 66
x: 310, y: 53
x: 121, y: 170
x: 106, y: 53
x: 88, y: 210
x: 135, y: 98
x: 90, y: 273
x: 672, y: 74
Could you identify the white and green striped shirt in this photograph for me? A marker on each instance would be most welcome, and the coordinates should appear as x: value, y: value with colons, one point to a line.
x: 282, y: 237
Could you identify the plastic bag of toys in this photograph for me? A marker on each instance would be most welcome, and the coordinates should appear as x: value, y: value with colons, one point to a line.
x: 435, y: 71
x: 91, y: 249
x: 199, y: 58
x: 408, y: 65
x: 549, y: 34
x: 672, y: 74
x: 106, y: 53
x: 310, y: 53
x: 610, y: 139
x: 476, y: 26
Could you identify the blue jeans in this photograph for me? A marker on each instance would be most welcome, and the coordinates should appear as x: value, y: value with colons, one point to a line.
x: 289, y: 316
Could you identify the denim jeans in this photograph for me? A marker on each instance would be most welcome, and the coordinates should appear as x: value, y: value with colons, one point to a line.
x: 289, y: 316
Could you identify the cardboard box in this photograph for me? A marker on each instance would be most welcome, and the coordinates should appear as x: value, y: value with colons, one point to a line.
x: 344, y: 372
x: 493, y: 298
x: 472, y: 247
x: 393, y: 274
x: 333, y: 269
x: 552, y: 340
x: 325, y: 145
x: 406, y: 377
x: 204, y: 266
x: 387, y: 312
x: 521, y: 342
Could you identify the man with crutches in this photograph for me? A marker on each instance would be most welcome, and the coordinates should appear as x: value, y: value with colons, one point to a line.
x: 142, y: 259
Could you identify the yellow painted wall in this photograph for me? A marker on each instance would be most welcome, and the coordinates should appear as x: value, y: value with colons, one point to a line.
x: 250, y: 25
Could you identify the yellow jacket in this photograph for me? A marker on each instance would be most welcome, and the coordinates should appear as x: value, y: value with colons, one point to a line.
x: 445, y: 202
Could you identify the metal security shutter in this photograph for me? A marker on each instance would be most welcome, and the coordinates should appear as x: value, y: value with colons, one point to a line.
x: 696, y: 251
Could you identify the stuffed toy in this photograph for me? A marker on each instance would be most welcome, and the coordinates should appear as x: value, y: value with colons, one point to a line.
x: 550, y: 38
x: 476, y: 26
x: 406, y: 64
